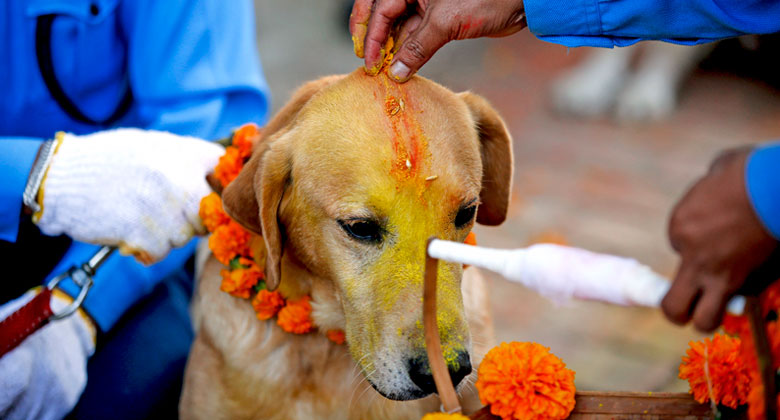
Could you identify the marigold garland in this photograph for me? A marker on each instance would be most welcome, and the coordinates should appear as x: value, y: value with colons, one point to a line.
x: 230, y: 244
x: 295, y: 317
x: 725, y: 370
x: 524, y: 381
x: 229, y: 241
x: 230, y: 164
x: 734, y: 374
x: 211, y: 212
x: 240, y: 281
x: 267, y: 304
x: 336, y: 336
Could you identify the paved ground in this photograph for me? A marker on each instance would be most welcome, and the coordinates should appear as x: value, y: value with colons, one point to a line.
x: 598, y: 185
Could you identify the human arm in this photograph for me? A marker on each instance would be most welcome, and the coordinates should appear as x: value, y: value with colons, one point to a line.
x: 596, y: 23
x: 205, y: 88
x: 723, y: 231
x: 600, y: 23
x: 762, y: 180
x: 16, y: 158
x: 210, y: 83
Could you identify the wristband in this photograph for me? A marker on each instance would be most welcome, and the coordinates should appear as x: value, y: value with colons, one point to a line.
x: 32, y: 195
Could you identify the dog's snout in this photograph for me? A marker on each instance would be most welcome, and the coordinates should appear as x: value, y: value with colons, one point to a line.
x: 421, y: 374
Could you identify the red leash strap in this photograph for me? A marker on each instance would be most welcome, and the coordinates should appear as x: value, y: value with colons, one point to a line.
x: 25, y: 321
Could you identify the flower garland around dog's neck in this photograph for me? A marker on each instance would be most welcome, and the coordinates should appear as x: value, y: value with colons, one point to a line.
x: 232, y: 245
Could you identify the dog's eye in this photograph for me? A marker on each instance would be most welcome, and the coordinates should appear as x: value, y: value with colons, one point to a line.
x: 464, y: 216
x: 362, y: 230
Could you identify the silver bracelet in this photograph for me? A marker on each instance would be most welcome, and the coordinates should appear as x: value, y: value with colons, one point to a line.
x: 30, y: 195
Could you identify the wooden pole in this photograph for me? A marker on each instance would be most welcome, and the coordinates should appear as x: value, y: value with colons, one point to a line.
x: 441, y: 375
x: 763, y: 355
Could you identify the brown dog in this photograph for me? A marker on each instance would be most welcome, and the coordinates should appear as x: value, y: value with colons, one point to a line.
x: 347, y: 183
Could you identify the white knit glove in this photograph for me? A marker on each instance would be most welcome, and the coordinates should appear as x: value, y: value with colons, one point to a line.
x: 45, y: 375
x: 136, y: 189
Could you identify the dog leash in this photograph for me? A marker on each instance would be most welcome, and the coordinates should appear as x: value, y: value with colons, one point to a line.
x: 36, y: 313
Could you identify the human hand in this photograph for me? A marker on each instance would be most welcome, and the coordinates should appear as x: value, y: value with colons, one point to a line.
x: 135, y: 189
x: 424, y: 26
x: 720, y: 240
x: 45, y: 375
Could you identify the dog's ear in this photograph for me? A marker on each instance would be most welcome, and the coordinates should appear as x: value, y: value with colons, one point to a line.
x: 497, y: 162
x: 253, y: 198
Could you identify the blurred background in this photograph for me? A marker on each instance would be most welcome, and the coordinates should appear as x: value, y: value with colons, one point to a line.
x: 604, y: 146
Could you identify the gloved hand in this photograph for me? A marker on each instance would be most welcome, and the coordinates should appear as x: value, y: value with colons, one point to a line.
x: 136, y: 189
x: 45, y: 375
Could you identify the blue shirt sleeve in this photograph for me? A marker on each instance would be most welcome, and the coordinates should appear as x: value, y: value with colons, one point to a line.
x: 762, y: 181
x: 16, y: 158
x: 608, y: 23
x: 193, y: 69
x: 194, y: 66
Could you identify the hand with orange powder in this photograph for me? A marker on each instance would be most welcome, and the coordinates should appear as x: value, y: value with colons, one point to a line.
x: 424, y: 26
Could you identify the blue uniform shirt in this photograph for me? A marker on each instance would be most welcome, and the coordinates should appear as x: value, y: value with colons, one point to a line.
x: 610, y: 23
x: 192, y: 68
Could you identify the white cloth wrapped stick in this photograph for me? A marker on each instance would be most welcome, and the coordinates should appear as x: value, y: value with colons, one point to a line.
x: 561, y: 273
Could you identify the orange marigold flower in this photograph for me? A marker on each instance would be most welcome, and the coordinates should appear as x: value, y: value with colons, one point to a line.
x: 229, y: 241
x: 211, y: 212
x: 444, y: 416
x: 525, y: 381
x: 295, y: 317
x: 240, y: 281
x: 244, y: 137
x: 229, y: 165
x: 724, y: 369
x: 267, y: 304
x: 336, y: 336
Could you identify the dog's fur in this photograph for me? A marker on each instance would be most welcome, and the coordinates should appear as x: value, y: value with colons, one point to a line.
x: 348, y: 149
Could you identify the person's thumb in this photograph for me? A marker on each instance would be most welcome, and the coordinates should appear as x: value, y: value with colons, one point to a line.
x: 416, y: 50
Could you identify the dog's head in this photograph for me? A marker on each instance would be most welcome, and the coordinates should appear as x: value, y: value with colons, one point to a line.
x: 348, y: 182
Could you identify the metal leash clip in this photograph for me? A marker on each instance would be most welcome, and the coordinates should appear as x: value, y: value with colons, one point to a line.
x: 82, y: 276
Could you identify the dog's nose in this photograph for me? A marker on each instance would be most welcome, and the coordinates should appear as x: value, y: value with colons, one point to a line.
x: 422, y: 376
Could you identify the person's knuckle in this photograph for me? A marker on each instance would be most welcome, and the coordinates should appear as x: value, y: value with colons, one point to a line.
x: 415, y: 49
x: 673, y: 311
x: 680, y: 235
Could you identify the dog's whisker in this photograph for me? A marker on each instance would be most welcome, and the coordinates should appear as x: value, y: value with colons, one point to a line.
x: 352, y: 394
x: 356, y: 370
x: 373, y: 400
x: 364, y: 378
x: 355, y: 383
x: 356, y: 367
x: 368, y: 386
x: 362, y: 382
